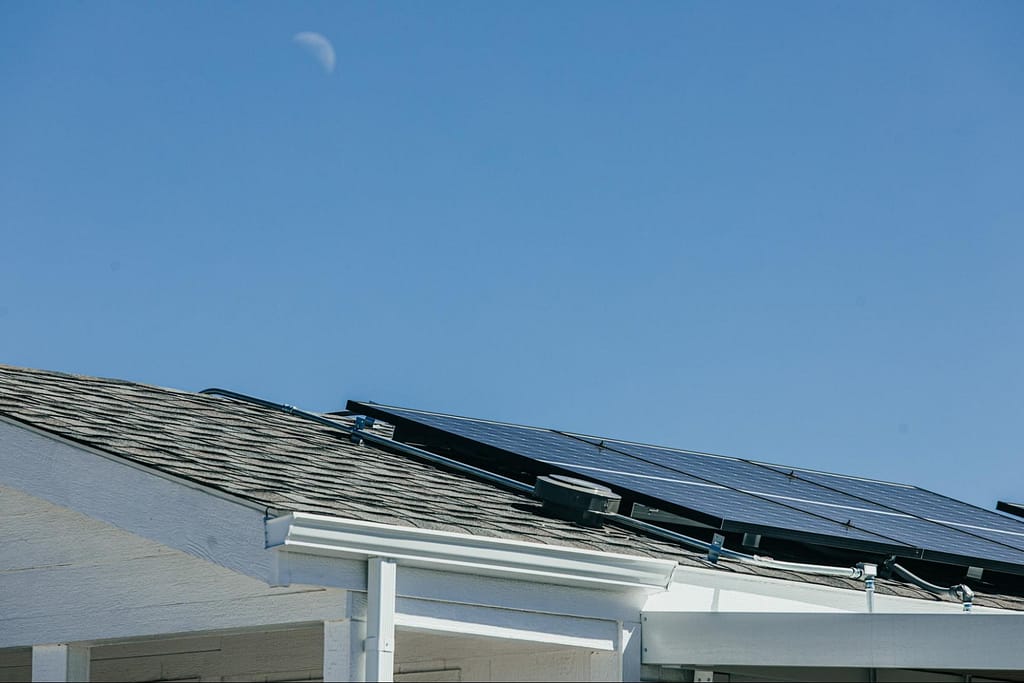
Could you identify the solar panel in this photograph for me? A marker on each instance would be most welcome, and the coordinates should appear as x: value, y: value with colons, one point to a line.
x: 743, y: 495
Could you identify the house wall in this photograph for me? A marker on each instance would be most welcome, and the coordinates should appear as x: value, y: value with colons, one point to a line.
x: 65, y: 577
x: 15, y: 664
x: 297, y: 655
x: 812, y: 674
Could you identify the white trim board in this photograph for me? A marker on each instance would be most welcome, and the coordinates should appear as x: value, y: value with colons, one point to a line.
x: 973, y: 642
x: 310, y: 534
x: 693, y: 589
x: 66, y: 577
x: 135, y: 498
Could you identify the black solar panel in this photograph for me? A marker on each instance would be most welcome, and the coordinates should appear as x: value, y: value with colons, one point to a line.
x: 742, y: 495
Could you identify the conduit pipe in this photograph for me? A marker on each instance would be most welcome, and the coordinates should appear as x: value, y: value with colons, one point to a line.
x: 961, y: 591
x: 862, y: 571
x: 857, y: 572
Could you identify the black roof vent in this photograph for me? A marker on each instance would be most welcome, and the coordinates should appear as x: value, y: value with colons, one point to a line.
x: 1012, y: 508
x: 576, y: 500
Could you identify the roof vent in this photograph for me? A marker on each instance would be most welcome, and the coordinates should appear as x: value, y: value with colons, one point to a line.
x: 576, y: 500
x: 1012, y: 508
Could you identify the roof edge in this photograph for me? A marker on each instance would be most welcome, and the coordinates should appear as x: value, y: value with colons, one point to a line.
x: 310, y: 534
x: 141, y: 467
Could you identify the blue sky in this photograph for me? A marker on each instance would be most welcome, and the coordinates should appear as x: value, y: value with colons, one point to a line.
x: 785, y: 231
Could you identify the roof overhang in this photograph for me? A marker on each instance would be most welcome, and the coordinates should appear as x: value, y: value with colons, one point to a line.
x: 321, y: 535
x: 964, y: 640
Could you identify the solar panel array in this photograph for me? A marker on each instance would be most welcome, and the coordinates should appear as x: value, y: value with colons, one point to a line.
x: 743, y: 495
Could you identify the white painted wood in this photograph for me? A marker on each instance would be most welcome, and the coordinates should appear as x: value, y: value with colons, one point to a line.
x: 60, y: 662
x: 535, y: 627
x: 517, y: 595
x: 418, y: 651
x: 631, y: 651
x: 444, y: 586
x: 973, y: 642
x: 344, y: 658
x: 381, y: 595
x: 291, y: 654
x: 492, y: 659
x: 431, y: 676
x: 174, y: 512
x: 834, y: 675
x: 698, y: 589
x: 317, y: 570
x: 465, y: 553
x: 605, y: 666
x: 566, y: 665
x: 77, y: 579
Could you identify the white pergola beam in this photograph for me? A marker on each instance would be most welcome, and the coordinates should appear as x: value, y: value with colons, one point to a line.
x: 344, y: 659
x: 381, y: 589
x: 975, y: 642
x: 478, y: 620
x: 60, y: 662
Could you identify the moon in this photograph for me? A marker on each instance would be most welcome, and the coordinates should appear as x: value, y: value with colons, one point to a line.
x: 319, y: 47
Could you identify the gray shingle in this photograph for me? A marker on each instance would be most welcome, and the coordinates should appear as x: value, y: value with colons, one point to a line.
x: 291, y: 465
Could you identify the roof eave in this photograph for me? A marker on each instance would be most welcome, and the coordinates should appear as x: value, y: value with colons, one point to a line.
x: 322, y: 535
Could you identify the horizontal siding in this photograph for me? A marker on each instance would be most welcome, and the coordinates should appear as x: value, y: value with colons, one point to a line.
x: 72, y: 578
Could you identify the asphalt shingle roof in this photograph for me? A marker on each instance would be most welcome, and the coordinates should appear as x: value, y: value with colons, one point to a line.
x: 289, y: 464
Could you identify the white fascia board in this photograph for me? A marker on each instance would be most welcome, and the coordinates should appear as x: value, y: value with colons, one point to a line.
x: 180, y: 514
x: 141, y: 467
x: 969, y: 641
x: 464, y: 553
x: 696, y: 589
x: 510, y: 624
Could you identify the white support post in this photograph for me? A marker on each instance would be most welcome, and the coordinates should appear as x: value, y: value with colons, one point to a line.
x: 60, y: 663
x: 631, y: 651
x: 624, y: 662
x: 380, y: 619
x: 344, y: 659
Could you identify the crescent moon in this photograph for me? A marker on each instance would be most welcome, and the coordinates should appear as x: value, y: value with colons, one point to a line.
x: 319, y: 47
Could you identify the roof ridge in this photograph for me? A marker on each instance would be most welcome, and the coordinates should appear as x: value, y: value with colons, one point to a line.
x: 15, y: 369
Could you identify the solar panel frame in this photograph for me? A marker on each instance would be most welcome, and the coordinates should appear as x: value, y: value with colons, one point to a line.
x: 865, y: 513
x: 521, y: 443
x: 829, y: 531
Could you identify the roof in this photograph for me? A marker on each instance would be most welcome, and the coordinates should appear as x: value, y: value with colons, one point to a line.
x: 288, y: 464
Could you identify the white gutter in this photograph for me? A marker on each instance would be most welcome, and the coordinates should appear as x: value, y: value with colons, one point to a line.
x: 323, y: 535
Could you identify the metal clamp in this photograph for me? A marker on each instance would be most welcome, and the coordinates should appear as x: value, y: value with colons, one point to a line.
x: 715, y: 551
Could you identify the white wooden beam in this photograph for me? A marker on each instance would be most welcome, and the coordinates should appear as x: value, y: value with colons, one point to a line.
x: 477, y: 620
x: 344, y: 659
x: 973, y: 642
x: 623, y: 663
x: 380, y: 619
x: 60, y: 662
x: 631, y: 651
x: 217, y: 528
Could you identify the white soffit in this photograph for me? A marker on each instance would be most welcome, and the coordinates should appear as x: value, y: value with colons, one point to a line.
x: 906, y: 641
x: 334, y: 537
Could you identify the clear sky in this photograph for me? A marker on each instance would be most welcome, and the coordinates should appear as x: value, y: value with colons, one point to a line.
x: 785, y: 231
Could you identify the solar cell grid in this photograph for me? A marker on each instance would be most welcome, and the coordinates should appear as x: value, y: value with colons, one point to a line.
x: 759, y: 495
x: 703, y: 495
x: 931, y: 506
x: 814, y: 497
